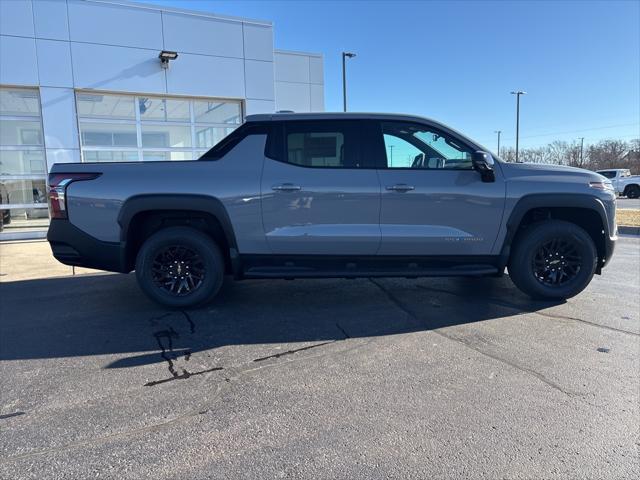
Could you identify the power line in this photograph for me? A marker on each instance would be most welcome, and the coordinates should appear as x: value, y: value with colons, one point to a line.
x: 578, y: 131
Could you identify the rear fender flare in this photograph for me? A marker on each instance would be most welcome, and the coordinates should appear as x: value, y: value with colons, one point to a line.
x: 198, y: 203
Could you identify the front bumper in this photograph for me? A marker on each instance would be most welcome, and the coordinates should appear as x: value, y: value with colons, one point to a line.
x: 72, y: 246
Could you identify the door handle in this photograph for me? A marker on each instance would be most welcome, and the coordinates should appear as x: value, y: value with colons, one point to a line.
x: 401, y: 187
x: 286, y: 187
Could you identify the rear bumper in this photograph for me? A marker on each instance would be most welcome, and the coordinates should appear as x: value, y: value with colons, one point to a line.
x: 72, y: 246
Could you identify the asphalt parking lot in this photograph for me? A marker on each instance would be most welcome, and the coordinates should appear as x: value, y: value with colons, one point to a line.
x: 628, y: 203
x: 361, y: 379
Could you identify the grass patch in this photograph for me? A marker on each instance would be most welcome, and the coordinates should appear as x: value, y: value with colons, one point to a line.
x: 629, y: 217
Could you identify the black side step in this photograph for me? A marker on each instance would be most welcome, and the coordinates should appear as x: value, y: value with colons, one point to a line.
x: 349, y: 267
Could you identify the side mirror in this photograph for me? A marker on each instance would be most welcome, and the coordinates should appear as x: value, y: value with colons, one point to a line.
x: 483, y: 163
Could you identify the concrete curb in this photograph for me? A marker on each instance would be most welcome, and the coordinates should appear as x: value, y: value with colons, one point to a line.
x: 625, y: 230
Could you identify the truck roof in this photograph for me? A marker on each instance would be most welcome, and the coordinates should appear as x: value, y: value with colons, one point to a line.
x: 292, y: 116
x: 266, y: 117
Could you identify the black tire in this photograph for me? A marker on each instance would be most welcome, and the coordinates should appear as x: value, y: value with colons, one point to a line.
x: 633, y: 191
x: 538, y: 267
x: 180, y: 267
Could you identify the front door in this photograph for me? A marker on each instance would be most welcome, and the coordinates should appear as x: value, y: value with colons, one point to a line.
x: 317, y: 196
x: 433, y: 201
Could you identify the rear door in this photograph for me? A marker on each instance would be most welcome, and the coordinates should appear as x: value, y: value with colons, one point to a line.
x: 433, y: 201
x: 319, y: 194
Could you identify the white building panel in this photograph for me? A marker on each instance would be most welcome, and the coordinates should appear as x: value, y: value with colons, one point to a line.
x: 317, y: 98
x: 119, y: 69
x: 59, y: 117
x: 205, y: 76
x: 259, y: 106
x: 291, y: 67
x: 259, y: 79
x: 107, y: 24
x: 18, y: 61
x: 16, y: 18
x: 50, y: 19
x: 258, y: 42
x: 293, y: 96
x: 54, y: 63
x: 203, y: 35
x: 316, y: 70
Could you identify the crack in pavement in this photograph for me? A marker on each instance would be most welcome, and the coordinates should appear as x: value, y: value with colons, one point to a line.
x: 437, y: 331
x: 295, y: 350
x: 203, y: 408
x: 514, y: 306
x: 185, y: 374
x: 10, y: 415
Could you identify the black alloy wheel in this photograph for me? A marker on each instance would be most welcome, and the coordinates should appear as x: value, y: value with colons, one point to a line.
x: 180, y: 267
x: 557, y: 261
x: 178, y: 270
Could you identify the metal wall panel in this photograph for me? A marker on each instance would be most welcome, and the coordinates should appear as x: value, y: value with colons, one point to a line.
x: 54, y: 63
x: 59, y: 117
x: 258, y: 42
x: 50, y: 19
x: 115, y: 25
x: 118, y: 69
x: 202, y: 35
x: 259, y: 79
x: 18, y: 61
x: 16, y: 18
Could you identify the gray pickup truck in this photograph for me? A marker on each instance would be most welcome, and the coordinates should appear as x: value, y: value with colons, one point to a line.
x: 333, y: 195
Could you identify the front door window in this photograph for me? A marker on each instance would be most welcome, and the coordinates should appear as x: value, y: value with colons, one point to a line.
x: 409, y: 145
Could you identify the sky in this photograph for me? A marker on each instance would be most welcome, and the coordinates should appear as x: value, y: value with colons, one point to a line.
x: 457, y: 61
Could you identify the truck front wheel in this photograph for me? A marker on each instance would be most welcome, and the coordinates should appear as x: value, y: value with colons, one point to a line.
x: 553, y: 260
x: 180, y: 267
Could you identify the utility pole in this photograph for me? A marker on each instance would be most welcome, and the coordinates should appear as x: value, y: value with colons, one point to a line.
x: 498, y: 132
x: 581, y: 149
x: 345, y: 55
x: 517, y: 93
x: 391, y: 156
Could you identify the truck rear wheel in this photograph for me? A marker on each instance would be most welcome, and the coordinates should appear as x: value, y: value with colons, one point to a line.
x: 632, y: 191
x: 553, y: 260
x: 180, y: 267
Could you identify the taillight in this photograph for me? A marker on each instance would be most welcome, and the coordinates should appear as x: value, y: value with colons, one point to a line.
x: 58, y: 183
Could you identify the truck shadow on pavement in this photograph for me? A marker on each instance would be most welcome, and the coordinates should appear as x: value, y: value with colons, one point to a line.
x: 109, y: 315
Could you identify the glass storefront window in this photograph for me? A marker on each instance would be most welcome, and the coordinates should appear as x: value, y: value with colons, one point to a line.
x: 216, y: 112
x: 150, y: 156
x: 92, y: 105
x: 163, y: 109
x: 20, y: 132
x: 19, y: 102
x: 22, y: 162
x: 207, y: 137
x: 111, y: 156
x: 23, y: 168
x: 165, y: 136
x: 157, y: 128
x: 108, y: 135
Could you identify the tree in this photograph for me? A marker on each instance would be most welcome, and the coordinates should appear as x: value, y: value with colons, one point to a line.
x: 602, y: 155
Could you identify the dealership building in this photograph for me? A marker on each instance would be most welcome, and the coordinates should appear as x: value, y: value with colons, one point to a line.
x: 98, y: 80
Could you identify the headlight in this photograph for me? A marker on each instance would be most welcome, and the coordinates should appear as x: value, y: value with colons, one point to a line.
x: 602, y: 185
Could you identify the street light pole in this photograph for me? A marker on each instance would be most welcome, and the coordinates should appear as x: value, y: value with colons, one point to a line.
x: 345, y: 55
x: 517, y: 94
x: 581, y: 149
x: 498, y: 132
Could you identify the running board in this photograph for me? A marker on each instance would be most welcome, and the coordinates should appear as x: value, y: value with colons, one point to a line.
x: 336, y: 267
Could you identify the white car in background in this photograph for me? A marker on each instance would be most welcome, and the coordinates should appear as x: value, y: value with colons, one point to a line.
x: 623, y: 182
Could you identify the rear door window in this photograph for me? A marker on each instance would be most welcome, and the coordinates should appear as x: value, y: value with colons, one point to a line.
x: 323, y: 144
